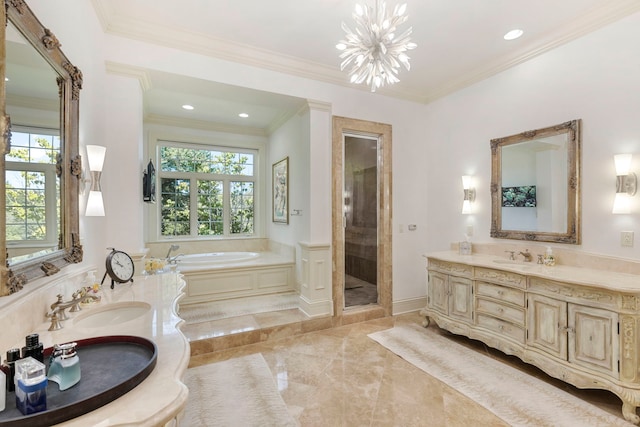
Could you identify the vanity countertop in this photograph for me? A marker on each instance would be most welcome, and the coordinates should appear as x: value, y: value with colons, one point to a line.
x: 162, y: 395
x: 622, y: 282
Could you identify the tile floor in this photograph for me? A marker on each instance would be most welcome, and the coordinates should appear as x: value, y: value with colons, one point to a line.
x: 337, y: 376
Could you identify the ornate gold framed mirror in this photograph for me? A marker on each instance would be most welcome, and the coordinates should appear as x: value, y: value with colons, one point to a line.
x: 535, y: 185
x: 41, y: 164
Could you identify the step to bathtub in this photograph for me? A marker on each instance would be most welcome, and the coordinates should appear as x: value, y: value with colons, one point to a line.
x: 208, y: 311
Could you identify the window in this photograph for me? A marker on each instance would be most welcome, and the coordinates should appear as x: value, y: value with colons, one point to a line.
x: 32, y: 204
x: 206, y: 191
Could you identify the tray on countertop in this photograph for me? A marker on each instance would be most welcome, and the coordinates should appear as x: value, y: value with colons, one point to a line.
x: 110, y: 366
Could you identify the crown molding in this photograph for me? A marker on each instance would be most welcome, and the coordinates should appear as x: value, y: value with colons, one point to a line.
x: 203, y: 44
x: 249, y: 55
x: 141, y: 74
x: 587, y: 23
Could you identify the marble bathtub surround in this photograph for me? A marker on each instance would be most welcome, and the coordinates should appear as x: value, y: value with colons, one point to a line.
x: 159, y: 250
x: 232, y: 332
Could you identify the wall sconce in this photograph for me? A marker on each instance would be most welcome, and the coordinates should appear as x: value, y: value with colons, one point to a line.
x: 95, y: 157
x: 469, y: 194
x: 626, y: 183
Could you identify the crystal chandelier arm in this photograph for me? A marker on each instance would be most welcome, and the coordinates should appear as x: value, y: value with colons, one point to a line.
x: 372, y: 52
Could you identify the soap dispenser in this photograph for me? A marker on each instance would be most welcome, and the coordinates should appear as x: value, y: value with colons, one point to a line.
x: 549, y: 258
x: 64, y: 365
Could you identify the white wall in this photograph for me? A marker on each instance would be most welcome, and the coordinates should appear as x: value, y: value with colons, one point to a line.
x: 409, y: 207
x: 290, y: 140
x: 596, y: 79
x: 82, y: 41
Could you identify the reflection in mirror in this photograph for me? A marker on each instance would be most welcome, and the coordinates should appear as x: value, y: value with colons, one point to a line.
x: 535, y: 185
x: 32, y: 184
x: 41, y: 164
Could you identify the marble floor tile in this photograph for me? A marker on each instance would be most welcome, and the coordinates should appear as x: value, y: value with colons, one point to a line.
x: 340, y: 377
x: 221, y: 327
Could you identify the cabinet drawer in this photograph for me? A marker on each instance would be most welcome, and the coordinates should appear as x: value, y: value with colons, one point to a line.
x: 501, y: 311
x: 503, y: 277
x: 452, y: 268
x: 514, y: 296
x: 501, y: 327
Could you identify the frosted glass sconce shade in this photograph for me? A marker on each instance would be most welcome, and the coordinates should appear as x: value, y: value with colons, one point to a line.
x: 626, y: 183
x: 95, y: 157
x: 469, y: 194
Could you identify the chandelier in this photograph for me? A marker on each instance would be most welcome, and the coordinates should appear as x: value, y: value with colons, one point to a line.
x: 372, y: 52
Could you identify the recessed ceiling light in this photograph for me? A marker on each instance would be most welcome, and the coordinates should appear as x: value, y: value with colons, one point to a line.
x: 187, y: 107
x: 513, y: 34
x: 243, y: 115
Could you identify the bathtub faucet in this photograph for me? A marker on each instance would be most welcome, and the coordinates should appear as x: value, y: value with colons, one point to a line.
x: 174, y: 260
x: 171, y: 249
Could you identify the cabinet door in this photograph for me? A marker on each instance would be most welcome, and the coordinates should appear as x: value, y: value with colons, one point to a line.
x: 460, y: 298
x: 593, y: 338
x: 438, y: 284
x: 547, y: 325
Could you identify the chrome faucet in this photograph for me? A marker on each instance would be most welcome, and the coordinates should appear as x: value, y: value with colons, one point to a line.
x: 58, y: 308
x: 527, y: 255
x: 174, y: 260
x: 171, y: 249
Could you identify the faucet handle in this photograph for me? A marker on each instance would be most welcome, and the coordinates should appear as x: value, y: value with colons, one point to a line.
x: 511, y: 255
x: 55, y: 322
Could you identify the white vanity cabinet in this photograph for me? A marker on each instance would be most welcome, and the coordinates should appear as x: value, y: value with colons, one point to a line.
x: 587, y: 334
x: 584, y: 336
x: 450, y: 291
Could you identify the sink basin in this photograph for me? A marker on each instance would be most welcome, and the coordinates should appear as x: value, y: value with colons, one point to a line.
x: 112, y: 314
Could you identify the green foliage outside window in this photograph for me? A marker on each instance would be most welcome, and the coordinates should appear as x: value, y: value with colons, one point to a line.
x: 209, y: 172
x: 25, y: 185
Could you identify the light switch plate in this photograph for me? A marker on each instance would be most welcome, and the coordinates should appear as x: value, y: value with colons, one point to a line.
x: 626, y: 238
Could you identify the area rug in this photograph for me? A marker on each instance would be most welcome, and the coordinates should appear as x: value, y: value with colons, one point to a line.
x: 235, y: 392
x: 515, y: 397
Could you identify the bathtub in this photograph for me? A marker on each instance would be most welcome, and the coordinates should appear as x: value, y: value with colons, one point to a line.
x: 202, y: 260
x: 216, y: 276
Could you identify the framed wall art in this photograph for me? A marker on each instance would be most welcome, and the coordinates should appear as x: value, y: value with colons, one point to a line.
x: 280, y: 190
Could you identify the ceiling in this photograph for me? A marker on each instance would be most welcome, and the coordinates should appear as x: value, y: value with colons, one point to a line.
x: 459, y: 43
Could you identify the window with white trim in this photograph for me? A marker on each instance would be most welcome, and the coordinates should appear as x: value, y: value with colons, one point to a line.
x: 206, y: 190
x: 32, y: 187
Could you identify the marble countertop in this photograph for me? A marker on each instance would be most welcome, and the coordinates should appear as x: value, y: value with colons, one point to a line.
x: 162, y: 395
x: 621, y: 282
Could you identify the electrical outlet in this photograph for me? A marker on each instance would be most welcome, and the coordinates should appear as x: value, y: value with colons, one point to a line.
x: 626, y: 238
